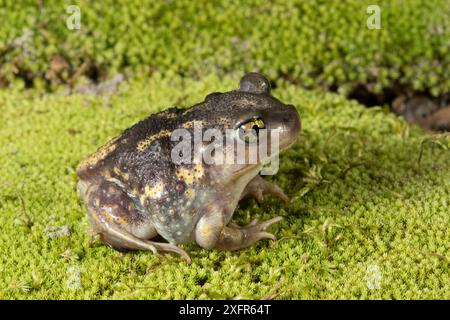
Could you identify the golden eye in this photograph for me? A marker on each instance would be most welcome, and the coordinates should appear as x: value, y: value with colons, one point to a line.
x: 249, y: 130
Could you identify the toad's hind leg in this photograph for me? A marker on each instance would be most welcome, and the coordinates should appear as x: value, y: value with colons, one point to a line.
x: 118, y: 221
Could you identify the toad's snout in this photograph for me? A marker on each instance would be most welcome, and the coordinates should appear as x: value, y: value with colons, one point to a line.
x: 290, y: 126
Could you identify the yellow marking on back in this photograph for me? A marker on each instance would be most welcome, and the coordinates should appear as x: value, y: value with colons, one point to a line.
x: 190, y: 176
x: 185, y: 175
x: 168, y: 113
x: 186, y: 111
x: 153, y: 191
x: 198, y: 171
x: 191, y: 123
x: 99, y: 155
x: 223, y: 120
x: 143, y: 144
x: 125, y: 176
x: 121, y: 221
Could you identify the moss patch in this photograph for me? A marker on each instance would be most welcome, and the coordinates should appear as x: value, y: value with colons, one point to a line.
x: 312, y: 43
x: 365, y: 222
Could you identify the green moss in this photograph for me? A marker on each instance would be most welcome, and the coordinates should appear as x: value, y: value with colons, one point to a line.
x: 361, y: 207
x: 313, y: 43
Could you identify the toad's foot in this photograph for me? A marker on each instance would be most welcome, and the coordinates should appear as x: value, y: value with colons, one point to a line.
x: 258, y: 187
x: 258, y: 229
x: 233, y: 237
x: 129, y: 242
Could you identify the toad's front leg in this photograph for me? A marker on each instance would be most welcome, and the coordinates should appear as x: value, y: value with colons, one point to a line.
x: 258, y: 187
x: 211, y: 232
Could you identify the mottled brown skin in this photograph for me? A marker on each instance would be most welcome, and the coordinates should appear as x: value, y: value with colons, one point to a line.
x: 133, y: 190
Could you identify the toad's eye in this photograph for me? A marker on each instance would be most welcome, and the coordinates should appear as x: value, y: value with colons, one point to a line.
x: 249, y: 130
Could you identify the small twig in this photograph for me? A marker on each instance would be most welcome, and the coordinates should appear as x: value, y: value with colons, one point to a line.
x: 23, y: 207
x: 440, y: 257
x: 95, y: 238
x: 273, y: 293
x: 331, y: 136
x: 432, y: 138
x: 350, y: 167
x: 157, y: 266
x: 291, y: 238
x: 81, y: 69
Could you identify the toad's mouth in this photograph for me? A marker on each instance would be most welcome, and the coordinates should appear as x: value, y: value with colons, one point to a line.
x: 264, y: 163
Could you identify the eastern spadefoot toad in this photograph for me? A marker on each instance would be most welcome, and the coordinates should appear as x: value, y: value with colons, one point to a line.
x: 136, y: 187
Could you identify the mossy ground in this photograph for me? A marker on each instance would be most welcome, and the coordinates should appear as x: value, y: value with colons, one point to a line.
x: 311, y: 43
x: 365, y: 220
